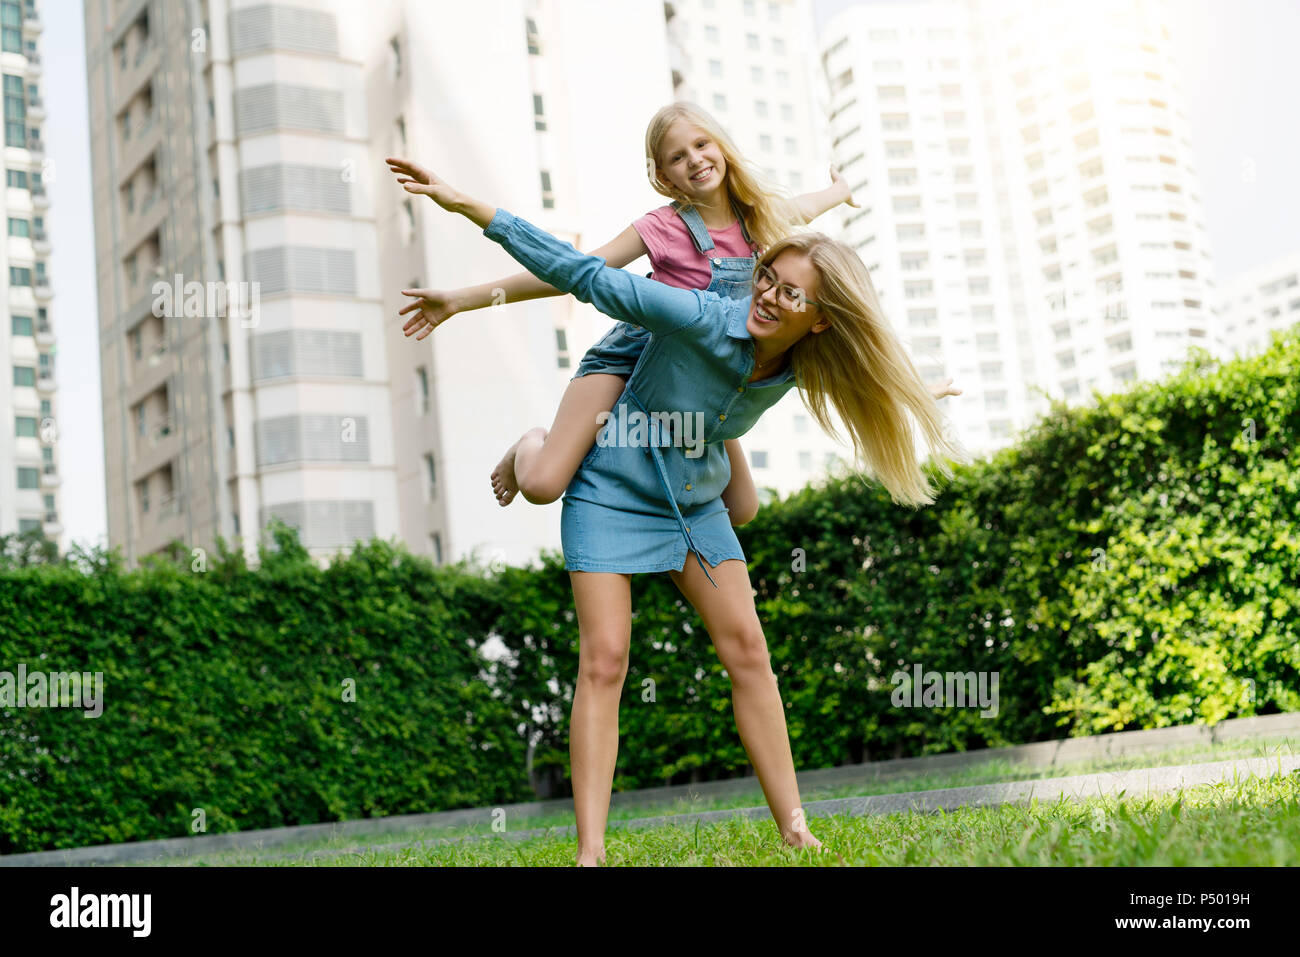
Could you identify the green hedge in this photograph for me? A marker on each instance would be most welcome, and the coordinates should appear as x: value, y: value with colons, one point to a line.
x: 225, y: 691
x: 1128, y: 564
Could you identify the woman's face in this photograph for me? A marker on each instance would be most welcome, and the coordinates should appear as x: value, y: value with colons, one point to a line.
x: 781, y: 315
x: 691, y: 161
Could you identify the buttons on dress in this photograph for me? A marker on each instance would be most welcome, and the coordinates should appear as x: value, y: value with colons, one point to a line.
x: 741, y: 389
x: 721, y: 416
x: 688, y: 486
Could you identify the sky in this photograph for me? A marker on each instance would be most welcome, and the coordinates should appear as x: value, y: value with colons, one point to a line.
x: 1240, y: 63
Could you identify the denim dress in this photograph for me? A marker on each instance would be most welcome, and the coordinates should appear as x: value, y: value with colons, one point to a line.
x: 641, y: 502
x: 620, y: 348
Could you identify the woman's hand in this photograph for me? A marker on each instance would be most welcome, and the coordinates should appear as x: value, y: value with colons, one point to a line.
x: 837, y: 178
x: 432, y: 308
x: 421, y: 181
x: 943, y: 389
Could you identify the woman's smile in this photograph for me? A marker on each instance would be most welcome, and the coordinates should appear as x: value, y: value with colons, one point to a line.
x: 702, y: 175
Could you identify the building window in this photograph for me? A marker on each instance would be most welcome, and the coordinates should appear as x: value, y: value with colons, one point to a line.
x: 548, y: 198
x: 29, y: 478
x: 15, y: 111
x: 395, y: 58
x: 758, y: 459
x: 539, y: 113
x: 432, y: 473
x: 25, y: 426
x: 534, y: 42
x: 25, y: 376
x: 561, y: 349
x: 436, y: 541
x: 422, y: 390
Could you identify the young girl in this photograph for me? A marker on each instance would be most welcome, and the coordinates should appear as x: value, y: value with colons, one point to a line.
x: 721, y: 216
x: 814, y: 319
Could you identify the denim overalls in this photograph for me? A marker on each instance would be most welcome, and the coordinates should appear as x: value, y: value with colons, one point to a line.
x: 617, y: 353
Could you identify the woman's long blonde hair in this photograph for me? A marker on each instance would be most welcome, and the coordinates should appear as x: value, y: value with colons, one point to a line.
x: 859, y: 366
x: 769, y: 212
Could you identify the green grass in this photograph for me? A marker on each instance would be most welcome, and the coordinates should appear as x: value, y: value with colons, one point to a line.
x: 1249, y: 822
x: 517, y: 851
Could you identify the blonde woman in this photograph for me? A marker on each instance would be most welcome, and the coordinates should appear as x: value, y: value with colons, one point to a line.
x: 721, y: 215
x: 634, y: 507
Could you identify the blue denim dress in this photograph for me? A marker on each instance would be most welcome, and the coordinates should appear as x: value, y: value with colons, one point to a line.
x: 644, y: 505
x: 620, y: 348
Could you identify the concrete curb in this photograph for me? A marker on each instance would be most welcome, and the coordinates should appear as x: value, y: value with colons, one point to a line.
x: 1039, y: 754
x: 1141, y: 782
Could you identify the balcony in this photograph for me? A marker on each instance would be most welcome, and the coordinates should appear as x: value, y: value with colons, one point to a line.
x: 45, y: 384
x: 35, y: 146
x: 169, y: 505
x: 40, y: 241
x: 40, y: 199
x: 44, y: 334
x: 42, y: 289
x: 33, y: 63
x: 35, y: 108
x: 50, y: 477
x: 52, y: 526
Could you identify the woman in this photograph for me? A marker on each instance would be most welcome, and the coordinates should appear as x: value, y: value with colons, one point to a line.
x: 632, y: 508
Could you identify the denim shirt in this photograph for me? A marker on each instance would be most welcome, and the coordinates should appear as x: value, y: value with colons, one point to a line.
x: 697, y: 364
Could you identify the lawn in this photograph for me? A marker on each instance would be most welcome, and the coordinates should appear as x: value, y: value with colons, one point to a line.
x: 969, y: 835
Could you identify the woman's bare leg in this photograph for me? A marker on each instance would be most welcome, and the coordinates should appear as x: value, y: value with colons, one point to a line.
x: 729, y: 615
x: 604, y: 605
x: 541, y: 465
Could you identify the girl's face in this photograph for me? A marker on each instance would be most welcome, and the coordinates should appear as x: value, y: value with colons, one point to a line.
x: 691, y: 161
x: 783, y: 313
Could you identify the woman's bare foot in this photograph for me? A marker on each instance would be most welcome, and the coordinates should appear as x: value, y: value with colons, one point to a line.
x: 594, y: 858
x: 504, y: 484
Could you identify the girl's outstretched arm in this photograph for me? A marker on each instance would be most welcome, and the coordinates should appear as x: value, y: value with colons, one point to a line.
x: 660, y: 308
x: 812, y: 205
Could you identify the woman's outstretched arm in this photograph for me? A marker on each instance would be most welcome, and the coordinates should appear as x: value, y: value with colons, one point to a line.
x: 660, y: 308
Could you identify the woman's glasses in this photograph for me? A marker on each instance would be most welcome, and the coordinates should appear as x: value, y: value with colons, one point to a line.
x: 787, y: 296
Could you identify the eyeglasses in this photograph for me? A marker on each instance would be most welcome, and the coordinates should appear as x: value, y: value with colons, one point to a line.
x: 787, y: 296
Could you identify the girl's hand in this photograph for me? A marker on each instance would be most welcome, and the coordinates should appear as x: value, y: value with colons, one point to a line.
x: 943, y: 389
x: 432, y: 308
x: 838, y: 180
x: 421, y: 181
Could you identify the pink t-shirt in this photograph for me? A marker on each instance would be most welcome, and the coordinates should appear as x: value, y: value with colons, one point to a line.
x: 673, y: 255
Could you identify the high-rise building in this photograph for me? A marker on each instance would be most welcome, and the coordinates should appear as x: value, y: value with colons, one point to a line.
x: 1033, y: 216
x: 252, y: 246
x: 909, y: 133
x: 1113, y: 276
x: 1264, y: 300
x: 29, y: 467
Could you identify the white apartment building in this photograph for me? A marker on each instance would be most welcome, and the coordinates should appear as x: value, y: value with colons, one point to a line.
x: 1258, y: 303
x: 908, y: 131
x: 1113, y: 277
x: 752, y: 64
x: 1034, y: 220
x: 29, y: 467
x: 241, y: 145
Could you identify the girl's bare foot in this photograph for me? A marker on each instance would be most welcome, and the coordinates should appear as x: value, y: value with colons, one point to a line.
x: 504, y: 484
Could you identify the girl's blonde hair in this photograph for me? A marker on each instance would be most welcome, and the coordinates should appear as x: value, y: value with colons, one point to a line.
x: 859, y: 366
x: 768, y: 211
